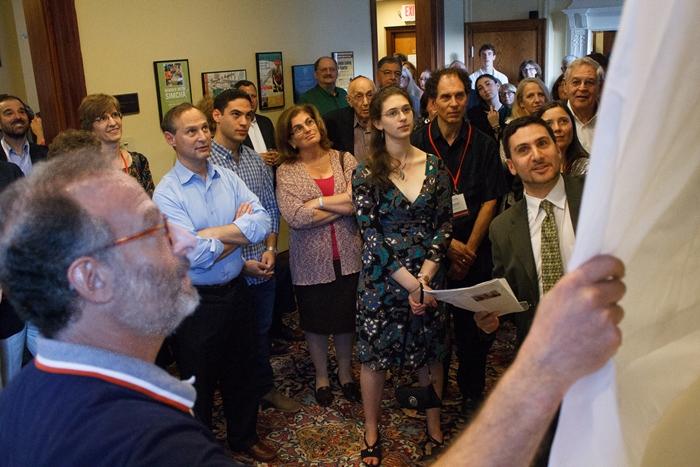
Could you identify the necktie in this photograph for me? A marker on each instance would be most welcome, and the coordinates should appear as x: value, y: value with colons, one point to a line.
x: 552, y: 268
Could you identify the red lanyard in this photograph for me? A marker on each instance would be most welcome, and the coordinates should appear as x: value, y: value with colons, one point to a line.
x: 126, y: 167
x: 455, y: 177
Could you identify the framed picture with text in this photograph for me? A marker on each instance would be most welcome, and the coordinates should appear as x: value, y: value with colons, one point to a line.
x: 270, y: 80
x: 346, y: 68
x: 173, y: 85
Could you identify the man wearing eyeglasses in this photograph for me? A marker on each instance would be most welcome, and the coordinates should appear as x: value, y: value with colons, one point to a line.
x: 326, y: 96
x: 14, y: 126
x: 388, y: 71
x: 471, y: 158
x: 92, y: 262
x: 349, y: 128
x: 218, y: 344
x: 584, y: 80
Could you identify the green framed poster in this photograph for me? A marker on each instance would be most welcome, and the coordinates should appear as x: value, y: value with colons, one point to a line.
x: 173, y: 85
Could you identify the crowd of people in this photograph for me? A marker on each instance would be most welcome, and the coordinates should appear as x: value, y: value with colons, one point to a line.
x: 390, y: 190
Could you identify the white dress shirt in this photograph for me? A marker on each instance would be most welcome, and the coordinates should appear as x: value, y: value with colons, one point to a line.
x: 23, y: 160
x: 584, y: 130
x: 562, y: 217
x: 256, y: 137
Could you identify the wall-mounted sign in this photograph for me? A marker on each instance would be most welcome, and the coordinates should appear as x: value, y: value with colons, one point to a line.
x: 408, y: 12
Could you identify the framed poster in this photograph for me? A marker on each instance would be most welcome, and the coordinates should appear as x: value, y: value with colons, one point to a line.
x: 172, y: 84
x: 270, y: 80
x: 346, y: 68
x: 303, y: 79
x: 214, y: 82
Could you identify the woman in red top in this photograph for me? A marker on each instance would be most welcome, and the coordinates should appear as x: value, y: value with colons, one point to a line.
x: 314, y: 197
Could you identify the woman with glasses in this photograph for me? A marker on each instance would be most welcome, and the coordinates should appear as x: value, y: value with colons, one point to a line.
x: 314, y: 197
x: 101, y: 114
x: 507, y: 95
x: 403, y: 201
x: 560, y: 119
x: 529, y: 69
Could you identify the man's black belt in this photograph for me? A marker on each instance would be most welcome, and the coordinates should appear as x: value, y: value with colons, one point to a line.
x: 220, y: 288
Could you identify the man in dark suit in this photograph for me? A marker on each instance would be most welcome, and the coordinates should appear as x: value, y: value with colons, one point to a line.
x: 533, y: 240
x: 14, y: 125
x: 349, y: 128
x: 261, y: 135
x: 531, y: 153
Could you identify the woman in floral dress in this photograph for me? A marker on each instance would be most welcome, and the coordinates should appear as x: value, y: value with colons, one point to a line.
x: 403, y: 201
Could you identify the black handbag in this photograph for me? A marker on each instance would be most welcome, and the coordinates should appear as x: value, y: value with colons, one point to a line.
x: 411, y: 396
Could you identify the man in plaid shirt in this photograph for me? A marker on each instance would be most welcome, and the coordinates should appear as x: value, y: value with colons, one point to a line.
x: 233, y: 113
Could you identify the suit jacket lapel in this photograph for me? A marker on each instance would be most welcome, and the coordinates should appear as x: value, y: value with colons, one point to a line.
x: 573, y: 196
x: 520, y: 239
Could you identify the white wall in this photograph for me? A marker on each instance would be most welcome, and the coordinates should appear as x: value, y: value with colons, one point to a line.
x: 121, y: 40
x: 454, y: 30
x: 388, y: 15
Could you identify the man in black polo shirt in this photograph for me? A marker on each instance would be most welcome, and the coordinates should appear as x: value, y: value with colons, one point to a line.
x: 472, y: 160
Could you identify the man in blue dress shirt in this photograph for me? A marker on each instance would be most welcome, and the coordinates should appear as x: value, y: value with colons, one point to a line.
x: 216, y: 343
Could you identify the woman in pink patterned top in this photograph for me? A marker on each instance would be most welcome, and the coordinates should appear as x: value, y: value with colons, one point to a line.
x: 314, y: 196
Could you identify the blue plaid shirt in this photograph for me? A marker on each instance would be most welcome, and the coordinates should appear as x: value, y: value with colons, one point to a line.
x: 258, y: 178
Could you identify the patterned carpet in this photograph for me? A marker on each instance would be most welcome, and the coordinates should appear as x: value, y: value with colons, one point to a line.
x: 332, y: 436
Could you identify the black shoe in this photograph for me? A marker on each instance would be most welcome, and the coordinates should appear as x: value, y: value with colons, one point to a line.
x: 351, y: 391
x: 470, y: 406
x: 324, y: 396
x: 372, y: 452
x: 432, y: 448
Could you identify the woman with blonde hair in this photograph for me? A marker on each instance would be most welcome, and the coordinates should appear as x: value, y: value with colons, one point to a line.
x: 314, y: 197
x: 530, y: 96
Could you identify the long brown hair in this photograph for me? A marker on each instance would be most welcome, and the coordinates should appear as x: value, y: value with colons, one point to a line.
x: 379, y: 162
x: 283, y: 131
x: 575, y: 149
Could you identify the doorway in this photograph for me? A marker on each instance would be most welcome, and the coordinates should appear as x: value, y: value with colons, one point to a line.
x: 514, y: 41
x: 401, y: 39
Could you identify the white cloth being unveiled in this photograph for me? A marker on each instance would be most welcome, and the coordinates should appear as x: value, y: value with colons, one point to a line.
x: 642, y: 203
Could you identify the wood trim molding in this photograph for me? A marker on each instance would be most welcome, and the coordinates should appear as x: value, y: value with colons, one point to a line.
x: 54, y: 42
x: 430, y: 34
x: 375, y: 42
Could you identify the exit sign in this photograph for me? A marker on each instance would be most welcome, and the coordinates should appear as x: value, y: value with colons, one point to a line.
x: 408, y: 12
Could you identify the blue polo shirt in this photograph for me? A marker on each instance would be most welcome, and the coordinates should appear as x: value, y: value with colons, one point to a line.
x: 76, y: 405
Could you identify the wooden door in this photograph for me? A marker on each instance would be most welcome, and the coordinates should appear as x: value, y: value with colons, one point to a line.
x: 401, y: 39
x: 514, y: 41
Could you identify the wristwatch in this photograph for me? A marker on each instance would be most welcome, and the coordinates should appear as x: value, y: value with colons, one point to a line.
x: 272, y: 249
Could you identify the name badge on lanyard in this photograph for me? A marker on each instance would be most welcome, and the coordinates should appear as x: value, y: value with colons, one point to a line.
x: 459, y: 203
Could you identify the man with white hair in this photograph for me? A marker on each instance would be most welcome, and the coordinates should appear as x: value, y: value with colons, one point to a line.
x: 584, y: 80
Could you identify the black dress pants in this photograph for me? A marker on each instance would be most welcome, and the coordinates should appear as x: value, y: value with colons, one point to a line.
x: 217, y: 345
